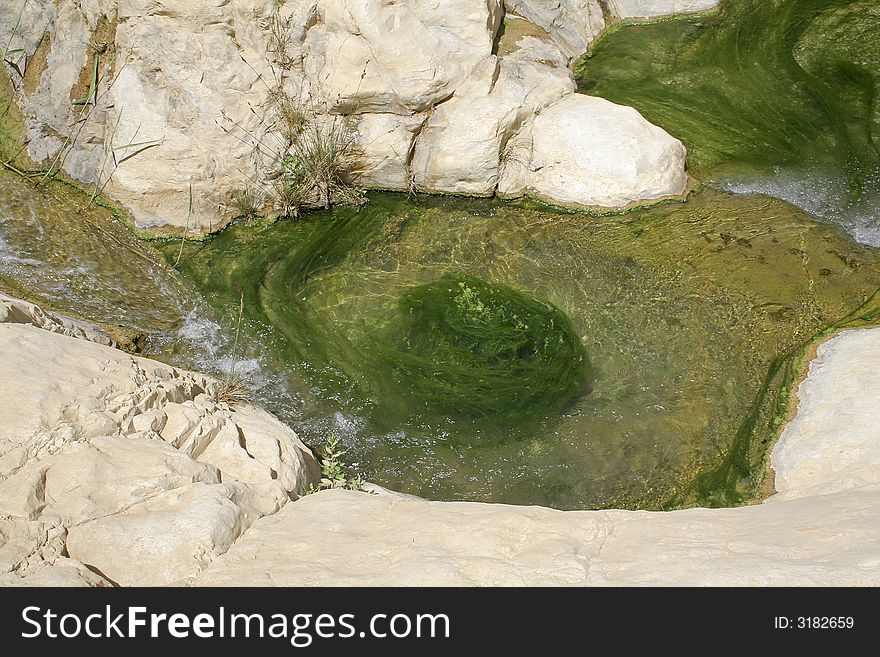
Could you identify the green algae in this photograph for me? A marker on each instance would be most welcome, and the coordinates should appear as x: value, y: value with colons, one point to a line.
x: 757, y: 85
x: 696, y: 318
x: 462, y: 347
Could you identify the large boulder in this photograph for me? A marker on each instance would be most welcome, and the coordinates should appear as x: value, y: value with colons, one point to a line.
x: 18, y: 311
x: 344, y: 538
x: 386, y: 142
x: 586, y: 151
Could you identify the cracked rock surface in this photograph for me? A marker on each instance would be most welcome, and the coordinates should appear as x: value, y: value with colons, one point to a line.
x: 121, y: 469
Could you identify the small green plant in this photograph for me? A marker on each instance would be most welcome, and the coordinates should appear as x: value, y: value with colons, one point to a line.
x: 246, y: 204
x: 334, y: 469
x: 304, y: 162
x: 91, y: 98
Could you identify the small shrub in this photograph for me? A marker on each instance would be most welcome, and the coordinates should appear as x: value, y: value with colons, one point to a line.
x: 334, y: 469
x: 301, y: 160
x: 327, y: 159
x: 232, y: 390
x: 246, y: 204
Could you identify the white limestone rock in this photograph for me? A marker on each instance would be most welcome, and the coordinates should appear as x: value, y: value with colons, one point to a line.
x: 584, y: 151
x: 188, y: 93
x: 655, y: 8
x: 17, y: 311
x: 165, y: 540
x: 465, y: 141
x: 399, y: 58
x: 833, y: 444
x: 572, y: 24
x: 62, y: 572
x: 98, y: 444
x: 344, y: 538
x: 386, y: 142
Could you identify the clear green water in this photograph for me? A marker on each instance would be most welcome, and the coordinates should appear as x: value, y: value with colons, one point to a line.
x: 680, y: 325
x: 58, y: 249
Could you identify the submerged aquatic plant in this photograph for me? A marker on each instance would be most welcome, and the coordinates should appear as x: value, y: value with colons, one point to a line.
x: 465, y: 347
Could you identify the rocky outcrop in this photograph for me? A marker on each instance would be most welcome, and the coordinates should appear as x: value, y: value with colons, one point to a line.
x: 108, y: 460
x: 152, y: 99
x: 822, y: 528
x: 119, y: 470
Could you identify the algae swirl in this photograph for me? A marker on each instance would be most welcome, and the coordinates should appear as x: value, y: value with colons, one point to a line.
x: 463, y: 347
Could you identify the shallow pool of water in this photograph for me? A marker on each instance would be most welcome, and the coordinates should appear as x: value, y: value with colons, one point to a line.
x: 681, y: 311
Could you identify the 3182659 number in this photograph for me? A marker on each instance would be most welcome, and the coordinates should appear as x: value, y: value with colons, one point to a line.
x: 825, y: 622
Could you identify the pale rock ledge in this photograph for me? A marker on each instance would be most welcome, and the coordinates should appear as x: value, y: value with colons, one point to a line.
x: 121, y: 470
x: 188, y: 89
